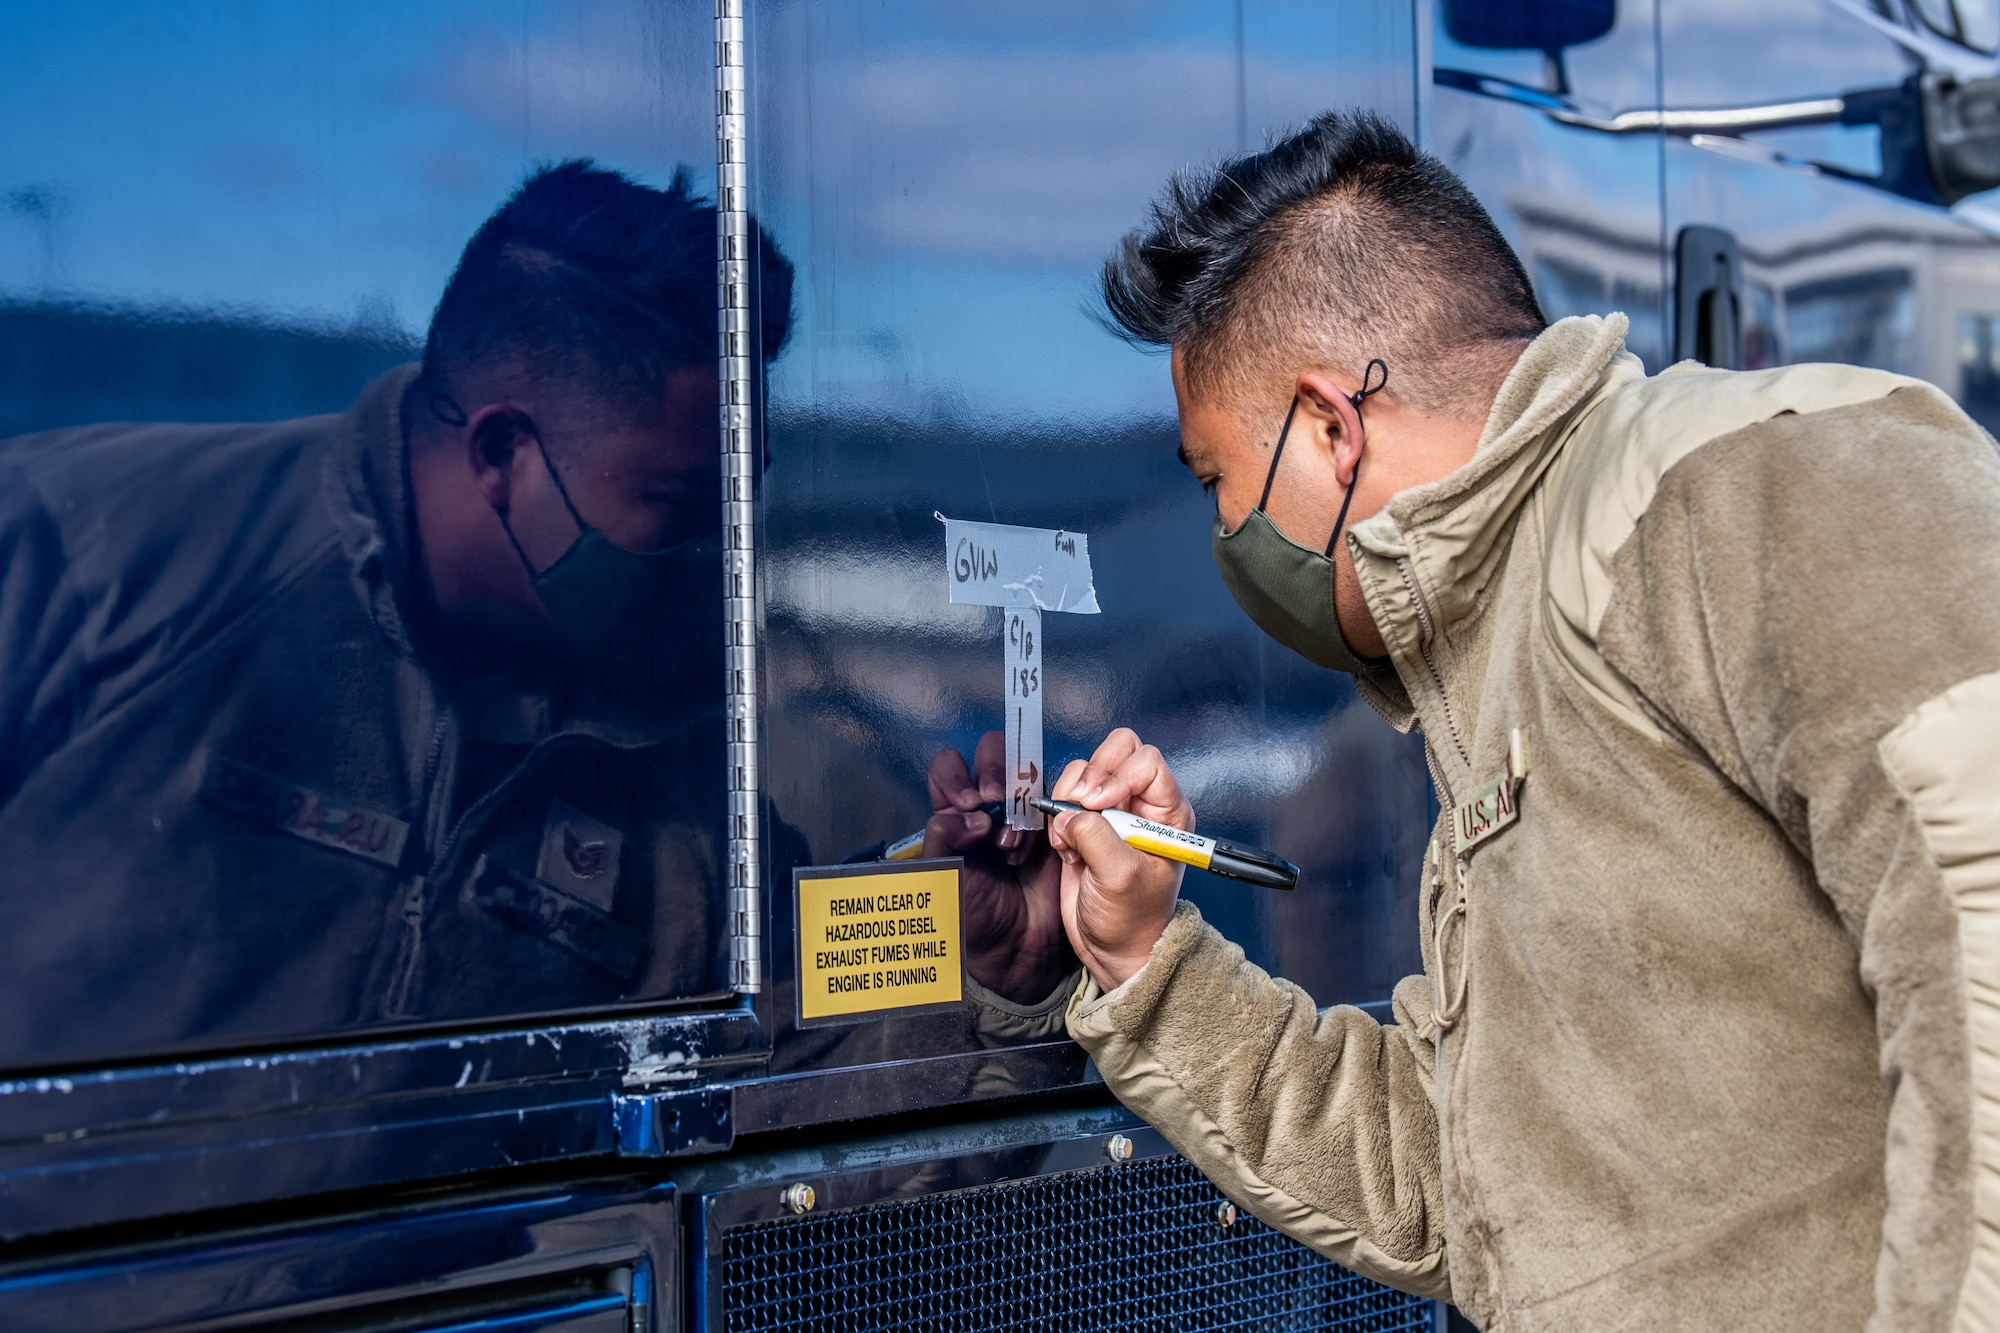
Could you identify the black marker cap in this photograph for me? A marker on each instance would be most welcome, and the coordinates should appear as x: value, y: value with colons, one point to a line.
x: 1253, y: 866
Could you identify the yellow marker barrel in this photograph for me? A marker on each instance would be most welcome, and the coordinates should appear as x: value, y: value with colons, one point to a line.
x: 1250, y: 864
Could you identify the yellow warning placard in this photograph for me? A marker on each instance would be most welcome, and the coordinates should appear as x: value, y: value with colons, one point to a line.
x: 872, y: 938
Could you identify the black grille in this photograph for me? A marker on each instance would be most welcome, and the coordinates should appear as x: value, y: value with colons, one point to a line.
x: 1135, y: 1246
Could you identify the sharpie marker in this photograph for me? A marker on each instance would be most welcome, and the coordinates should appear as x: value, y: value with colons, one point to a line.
x: 1211, y: 854
x: 910, y: 848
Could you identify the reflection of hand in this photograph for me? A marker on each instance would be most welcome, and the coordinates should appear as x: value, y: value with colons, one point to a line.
x: 1014, y: 941
x: 1116, y: 899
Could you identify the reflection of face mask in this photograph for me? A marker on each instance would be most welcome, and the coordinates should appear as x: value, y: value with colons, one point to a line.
x: 597, y: 593
x: 1286, y: 588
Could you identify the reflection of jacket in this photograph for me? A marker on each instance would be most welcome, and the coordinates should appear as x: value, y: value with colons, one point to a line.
x: 239, y: 804
x: 1729, y: 1047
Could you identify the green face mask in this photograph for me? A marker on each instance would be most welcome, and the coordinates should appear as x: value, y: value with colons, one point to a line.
x: 1286, y: 588
x: 594, y: 589
x: 599, y: 594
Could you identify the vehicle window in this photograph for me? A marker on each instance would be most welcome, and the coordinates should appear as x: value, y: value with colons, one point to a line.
x: 1863, y: 319
x: 1979, y: 24
x: 359, y: 571
x: 1938, y: 16
x: 1974, y: 23
x: 1979, y: 368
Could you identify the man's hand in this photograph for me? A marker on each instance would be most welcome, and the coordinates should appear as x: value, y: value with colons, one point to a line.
x: 1014, y: 940
x: 1116, y: 899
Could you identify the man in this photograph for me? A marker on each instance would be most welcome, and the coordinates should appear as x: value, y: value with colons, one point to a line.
x: 407, y: 714
x: 1708, y: 670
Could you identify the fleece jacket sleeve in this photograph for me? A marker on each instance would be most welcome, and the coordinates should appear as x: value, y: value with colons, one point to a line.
x: 1323, y: 1124
x: 1810, y: 603
x: 1004, y: 1022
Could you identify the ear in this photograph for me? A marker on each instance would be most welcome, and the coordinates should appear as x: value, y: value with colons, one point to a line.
x: 498, y: 441
x: 1327, y: 401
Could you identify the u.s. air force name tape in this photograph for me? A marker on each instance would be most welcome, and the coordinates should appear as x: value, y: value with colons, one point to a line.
x: 327, y: 820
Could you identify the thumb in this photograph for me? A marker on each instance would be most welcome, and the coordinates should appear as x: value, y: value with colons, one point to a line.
x: 1116, y: 903
x: 1094, y: 839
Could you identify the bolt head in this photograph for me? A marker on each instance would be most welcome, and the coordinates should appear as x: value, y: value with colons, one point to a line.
x: 1225, y: 1214
x: 799, y: 1198
x: 1119, y: 1148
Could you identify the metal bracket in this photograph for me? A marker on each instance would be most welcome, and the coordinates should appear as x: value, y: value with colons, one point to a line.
x: 680, y: 1123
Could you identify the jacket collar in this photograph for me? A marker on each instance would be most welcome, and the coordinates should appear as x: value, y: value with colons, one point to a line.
x: 368, y: 487
x: 1453, y: 532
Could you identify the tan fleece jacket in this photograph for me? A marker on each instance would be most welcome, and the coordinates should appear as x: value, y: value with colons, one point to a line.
x: 1708, y: 665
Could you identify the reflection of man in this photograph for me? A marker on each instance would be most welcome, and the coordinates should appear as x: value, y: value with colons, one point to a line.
x: 407, y: 713
x: 1017, y: 959
x: 1708, y: 667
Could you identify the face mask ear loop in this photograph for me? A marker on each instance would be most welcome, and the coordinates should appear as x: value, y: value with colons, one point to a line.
x: 1367, y: 392
x: 548, y: 465
x: 1278, y: 453
x: 562, y: 490
x: 1357, y: 400
x: 515, y: 542
x: 1341, y: 522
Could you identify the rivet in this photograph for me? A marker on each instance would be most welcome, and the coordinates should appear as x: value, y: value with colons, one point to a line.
x: 1225, y: 1214
x: 799, y: 1198
x: 1119, y: 1148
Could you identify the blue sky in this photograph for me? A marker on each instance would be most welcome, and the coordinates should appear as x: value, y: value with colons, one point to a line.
x: 314, y: 160
x: 324, y: 162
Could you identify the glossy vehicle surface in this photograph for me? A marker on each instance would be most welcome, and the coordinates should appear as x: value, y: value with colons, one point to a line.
x: 263, y: 786
x: 305, y: 191
x: 220, y: 216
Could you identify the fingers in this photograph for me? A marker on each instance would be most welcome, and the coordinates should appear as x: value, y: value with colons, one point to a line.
x: 1130, y: 775
x: 1145, y: 785
x: 950, y: 782
x: 989, y: 765
x: 1091, y: 841
x: 1064, y: 790
x: 953, y: 832
x: 1113, y: 752
x: 1065, y: 786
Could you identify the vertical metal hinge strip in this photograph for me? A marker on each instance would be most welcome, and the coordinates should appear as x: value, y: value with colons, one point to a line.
x: 738, y: 353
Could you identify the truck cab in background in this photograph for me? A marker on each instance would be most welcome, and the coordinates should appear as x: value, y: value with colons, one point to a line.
x: 1780, y: 183
x: 215, y: 215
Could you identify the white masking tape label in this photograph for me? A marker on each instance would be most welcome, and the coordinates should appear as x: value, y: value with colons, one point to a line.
x: 1024, y: 715
x: 997, y: 564
x: 1026, y: 571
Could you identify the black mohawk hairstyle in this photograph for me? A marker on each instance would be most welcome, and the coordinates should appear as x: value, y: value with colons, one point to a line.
x: 585, y: 266
x: 1201, y: 236
x: 1344, y: 223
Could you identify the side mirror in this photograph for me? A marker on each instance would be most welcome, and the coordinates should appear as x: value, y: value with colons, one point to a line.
x: 1962, y: 135
x: 1528, y: 25
x: 1940, y: 135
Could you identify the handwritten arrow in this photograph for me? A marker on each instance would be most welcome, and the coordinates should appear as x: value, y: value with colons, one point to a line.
x: 1032, y: 772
